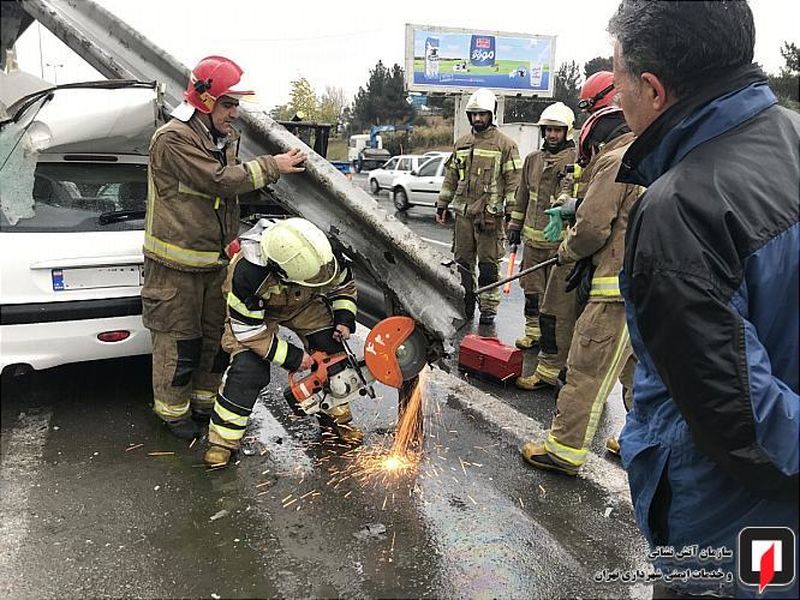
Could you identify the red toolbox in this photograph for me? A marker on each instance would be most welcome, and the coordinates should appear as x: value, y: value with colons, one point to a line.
x: 489, y: 356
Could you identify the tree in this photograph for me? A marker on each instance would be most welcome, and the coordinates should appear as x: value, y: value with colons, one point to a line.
x: 332, y: 105
x: 303, y: 99
x: 568, y: 84
x: 786, y: 84
x: 597, y: 64
x: 383, y: 101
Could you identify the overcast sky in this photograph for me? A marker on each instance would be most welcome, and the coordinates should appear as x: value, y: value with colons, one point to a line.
x: 336, y: 43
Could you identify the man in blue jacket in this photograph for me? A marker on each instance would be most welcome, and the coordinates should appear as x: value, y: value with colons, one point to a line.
x: 710, y: 281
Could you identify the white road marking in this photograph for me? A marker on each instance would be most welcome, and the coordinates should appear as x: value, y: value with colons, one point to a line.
x: 432, y: 241
x: 18, y: 474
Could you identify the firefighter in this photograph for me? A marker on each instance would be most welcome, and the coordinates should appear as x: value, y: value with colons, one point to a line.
x: 560, y: 308
x: 192, y: 214
x: 285, y: 274
x: 542, y: 175
x: 480, y: 181
x: 600, y: 347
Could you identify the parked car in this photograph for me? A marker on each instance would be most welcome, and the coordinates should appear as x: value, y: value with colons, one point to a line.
x: 381, y: 179
x: 72, y: 222
x: 420, y: 187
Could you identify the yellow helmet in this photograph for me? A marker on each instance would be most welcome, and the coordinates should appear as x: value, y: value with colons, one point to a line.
x: 558, y: 114
x: 301, y: 250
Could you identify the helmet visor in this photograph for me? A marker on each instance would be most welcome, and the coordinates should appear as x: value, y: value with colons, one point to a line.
x: 588, y: 103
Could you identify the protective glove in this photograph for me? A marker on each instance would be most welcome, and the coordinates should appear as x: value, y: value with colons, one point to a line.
x: 552, y: 231
x: 514, y: 237
x: 441, y: 215
x: 580, y: 280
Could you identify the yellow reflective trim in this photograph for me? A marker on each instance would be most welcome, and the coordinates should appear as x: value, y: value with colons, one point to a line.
x: 514, y: 163
x: 256, y: 173
x: 281, y: 351
x: 185, y: 189
x: 486, y: 153
x: 216, y: 202
x: 170, y: 411
x: 549, y: 374
x: 225, y: 433
x: 344, y: 304
x: 184, y: 256
x: 240, y: 307
x: 517, y: 216
x: 605, y: 287
x: 573, y: 456
x: 204, y: 396
x: 229, y: 416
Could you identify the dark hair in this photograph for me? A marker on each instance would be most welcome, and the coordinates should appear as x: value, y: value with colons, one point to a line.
x: 685, y: 44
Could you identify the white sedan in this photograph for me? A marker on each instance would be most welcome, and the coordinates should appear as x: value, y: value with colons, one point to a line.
x: 381, y: 179
x: 422, y: 186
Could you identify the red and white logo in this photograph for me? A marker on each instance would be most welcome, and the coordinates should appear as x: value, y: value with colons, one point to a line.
x: 766, y: 557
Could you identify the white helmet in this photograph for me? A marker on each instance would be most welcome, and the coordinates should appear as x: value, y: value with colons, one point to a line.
x: 558, y: 114
x: 482, y: 100
x: 301, y: 250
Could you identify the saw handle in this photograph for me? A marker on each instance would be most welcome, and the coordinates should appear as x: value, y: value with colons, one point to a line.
x: 510, y: 271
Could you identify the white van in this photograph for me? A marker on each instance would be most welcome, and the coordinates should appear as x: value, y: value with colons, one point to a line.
x: 73, y: 185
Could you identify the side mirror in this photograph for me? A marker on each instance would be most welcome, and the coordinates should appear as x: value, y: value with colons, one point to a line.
x: 414, y: 172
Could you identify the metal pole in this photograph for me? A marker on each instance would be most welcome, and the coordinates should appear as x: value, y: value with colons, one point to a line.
x: 541, y: 265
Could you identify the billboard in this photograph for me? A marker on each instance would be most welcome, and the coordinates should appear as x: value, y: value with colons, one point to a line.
x: 440, y: 59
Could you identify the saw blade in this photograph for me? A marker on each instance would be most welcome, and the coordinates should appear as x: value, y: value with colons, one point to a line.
x: 411, y: 355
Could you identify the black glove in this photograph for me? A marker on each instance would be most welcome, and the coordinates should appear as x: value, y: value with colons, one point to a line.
x: 441, y: 214
x: 580, y: 279
x: 514, y: 237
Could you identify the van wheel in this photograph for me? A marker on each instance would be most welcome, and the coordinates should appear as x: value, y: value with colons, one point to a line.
x: 401, y: 200
x: 373, y: 186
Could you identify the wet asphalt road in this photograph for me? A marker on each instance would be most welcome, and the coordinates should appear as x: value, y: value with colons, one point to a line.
x: 88, y: 511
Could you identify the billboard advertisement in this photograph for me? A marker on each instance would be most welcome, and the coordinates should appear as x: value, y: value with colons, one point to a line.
x: 440, y: 59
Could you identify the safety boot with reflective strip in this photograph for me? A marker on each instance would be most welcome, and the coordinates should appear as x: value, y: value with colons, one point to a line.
x: 532, y: 334
x: 536, y: 455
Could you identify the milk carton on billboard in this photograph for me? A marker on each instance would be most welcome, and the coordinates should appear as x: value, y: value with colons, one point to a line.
x: 481, y: 51
x: 536, y: 74
x: 432, y: 58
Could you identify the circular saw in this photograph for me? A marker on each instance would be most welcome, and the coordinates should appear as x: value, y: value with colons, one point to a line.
x: 395, y: 351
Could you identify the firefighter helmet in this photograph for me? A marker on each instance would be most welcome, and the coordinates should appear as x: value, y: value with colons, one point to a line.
x: 212, y: 78
x: 301, y: 251
x: 482, y: 100
x: 601, y: 127
x: 558, y: 114
x: 597, y: 91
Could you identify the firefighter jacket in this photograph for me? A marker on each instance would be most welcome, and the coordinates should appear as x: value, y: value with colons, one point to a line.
x: 258, y: 302
x: 601, y: 221
x: 482, y: 174
x: 710, y: 280
x: 540, y: 186
x: 192, y: 203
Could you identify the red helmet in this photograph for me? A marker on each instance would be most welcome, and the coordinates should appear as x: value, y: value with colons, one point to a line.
x: 596, y: 92
x: 613, y: 122
x: 212, y: 78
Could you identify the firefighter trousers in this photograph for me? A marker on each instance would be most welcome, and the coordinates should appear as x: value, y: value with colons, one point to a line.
x: 533, y: 285
x: 481, y: 238
x: 557, y: 317
x: 184, y: 312
x: 248, y: 373
x: 598, y: 355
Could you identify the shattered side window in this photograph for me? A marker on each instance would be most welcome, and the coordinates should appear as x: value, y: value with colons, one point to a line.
x: 17, y: 169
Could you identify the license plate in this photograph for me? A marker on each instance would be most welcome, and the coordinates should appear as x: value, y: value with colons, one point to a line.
x: 97, y: 277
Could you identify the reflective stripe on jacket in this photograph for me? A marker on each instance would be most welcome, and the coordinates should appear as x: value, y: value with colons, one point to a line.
x: 541, y: 182
x: 601, y: 221
x: 482, y: 174
x: 192, y: 203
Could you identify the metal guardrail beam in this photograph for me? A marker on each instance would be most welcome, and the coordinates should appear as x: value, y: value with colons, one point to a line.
x: 409, y: 273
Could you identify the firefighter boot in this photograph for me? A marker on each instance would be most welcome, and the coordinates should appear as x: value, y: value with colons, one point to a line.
x: 338, y: 421
x: 535, y: 454
x: 217, y: 456
x: 487, y: 317
x: 612, y: 445
x: 532, y: 383
x: 532, y: 333
x: 185, y: 429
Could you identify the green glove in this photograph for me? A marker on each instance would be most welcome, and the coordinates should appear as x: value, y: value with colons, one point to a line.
x: 552, y: 232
